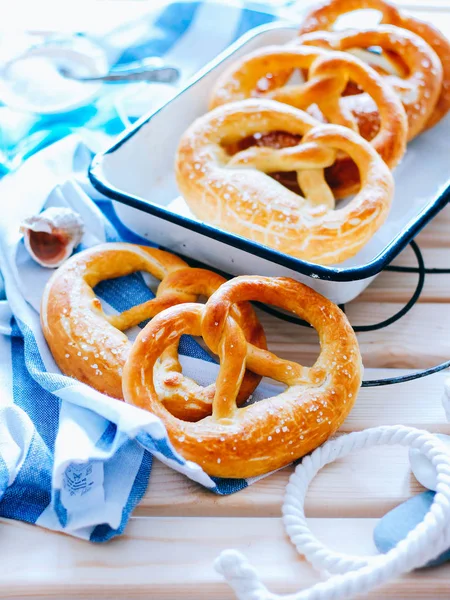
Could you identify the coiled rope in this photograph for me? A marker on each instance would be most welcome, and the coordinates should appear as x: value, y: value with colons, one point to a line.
x: 352, y: 575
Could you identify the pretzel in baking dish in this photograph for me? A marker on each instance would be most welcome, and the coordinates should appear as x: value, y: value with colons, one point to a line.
x: 271, y: 433
x: 90, y: 346
x: 265, y: 72
x: 418, y: 80
x: 234, y: 192
x: 323, y: 18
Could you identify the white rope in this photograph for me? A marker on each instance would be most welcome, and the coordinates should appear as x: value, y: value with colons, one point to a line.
x: 352, y: 574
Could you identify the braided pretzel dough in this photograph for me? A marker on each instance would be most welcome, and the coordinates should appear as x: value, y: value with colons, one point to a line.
x: 90, y: 346
x: 419, y: 89
x: 256, y: 439
x: 324, y: 16
x: 233, y: 193
x: 264, y: 72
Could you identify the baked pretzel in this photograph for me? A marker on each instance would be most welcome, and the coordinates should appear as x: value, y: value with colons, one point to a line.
x: 271, y: 433
x: 264, y: 72
x: 419, y: 83
x: 90, y: 346
x: 234, y: 192
x: 324, y: 17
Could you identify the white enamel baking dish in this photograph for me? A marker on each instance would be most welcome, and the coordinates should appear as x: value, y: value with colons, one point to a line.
x: 137, y: 172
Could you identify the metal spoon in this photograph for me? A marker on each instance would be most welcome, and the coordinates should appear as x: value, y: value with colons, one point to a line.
x: 153, y: 70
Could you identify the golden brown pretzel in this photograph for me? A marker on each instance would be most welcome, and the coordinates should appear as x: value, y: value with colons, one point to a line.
x: 181, y: 395
x: 235, y: 193
x: 324, y: 17
x: 328, y: 76
x: 419, y: 89
x: 271, y: 433
x: 91, y: 347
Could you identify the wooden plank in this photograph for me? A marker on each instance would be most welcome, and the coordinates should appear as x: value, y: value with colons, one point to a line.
x: 167, y: 558
x: 416, y: 403
x: 399, y: 287
x: 349, y: 487
x: 356, y: 489
x: 437, y: 233
x: 420, y: 339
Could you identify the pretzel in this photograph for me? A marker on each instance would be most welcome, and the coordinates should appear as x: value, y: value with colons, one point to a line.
x: 90, y: 346
x: 271, y: 433
x: 324, y: 17
x: 420, y: 80
x: 329, y: 74
x: 234, y: 192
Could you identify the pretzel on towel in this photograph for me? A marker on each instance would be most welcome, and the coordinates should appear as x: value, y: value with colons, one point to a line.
x: 234, y: 192
x: 90, y: 346
x: 264, y: 72
x: 418, y: 83
x: 324, y: 17
x: 271, y: 433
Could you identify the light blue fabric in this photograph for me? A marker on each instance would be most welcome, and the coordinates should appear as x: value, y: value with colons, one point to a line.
x: 159, y: 34
x: 70, y: 458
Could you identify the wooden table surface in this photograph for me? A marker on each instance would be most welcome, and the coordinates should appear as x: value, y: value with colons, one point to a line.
x: 169, y: 546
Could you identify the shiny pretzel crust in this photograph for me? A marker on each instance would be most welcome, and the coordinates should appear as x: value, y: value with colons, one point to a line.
x: 419, y: 89
x: 91, y: 347
x: 269, y: 434
x: 323, y: 17
x: 328, y: 75
x: 222, y: 191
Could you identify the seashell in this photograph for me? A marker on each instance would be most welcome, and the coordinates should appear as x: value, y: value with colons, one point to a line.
x: 51, y: 236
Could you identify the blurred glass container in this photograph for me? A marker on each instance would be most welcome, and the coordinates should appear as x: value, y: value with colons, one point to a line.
x: 39, y: 105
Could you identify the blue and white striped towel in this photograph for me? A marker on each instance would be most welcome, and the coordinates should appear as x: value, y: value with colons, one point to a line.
x: 70, y: 458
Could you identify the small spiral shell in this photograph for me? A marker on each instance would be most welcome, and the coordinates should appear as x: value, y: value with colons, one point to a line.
x: 51, y: 236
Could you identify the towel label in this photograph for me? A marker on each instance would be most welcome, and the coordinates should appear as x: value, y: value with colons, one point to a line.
x: 82, y: 483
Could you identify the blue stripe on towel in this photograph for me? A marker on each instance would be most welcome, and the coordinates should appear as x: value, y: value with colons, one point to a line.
x: 158, y: 445
x: 41, y: 406
x: 34, y: 365
x: 103, y: 533
x: 4, y: 478
x: 108, y: 437
x: 166, y: 30
x: 116, y: 292
x: 228, y: 486
x: 251, y: 18
x: 30, y: 493
x: 59, y: 509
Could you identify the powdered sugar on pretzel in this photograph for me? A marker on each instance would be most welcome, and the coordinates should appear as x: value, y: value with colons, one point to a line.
x: 271, y: 433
